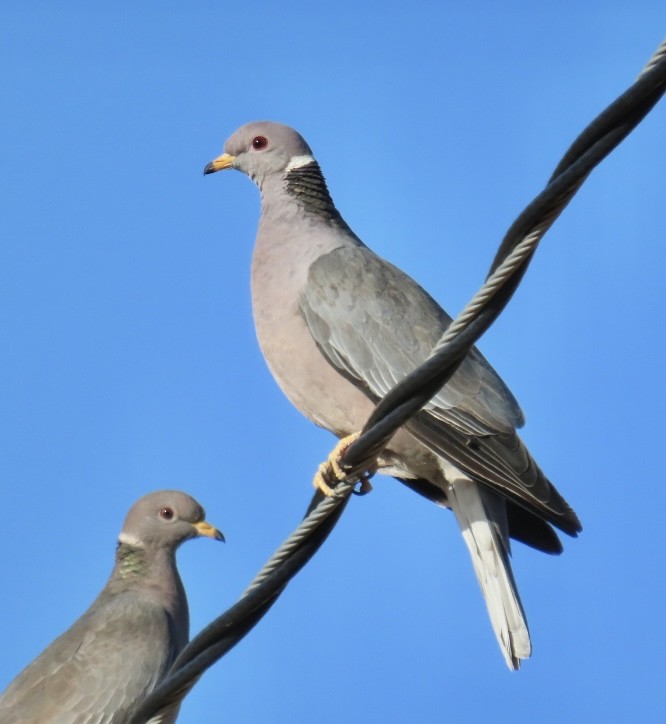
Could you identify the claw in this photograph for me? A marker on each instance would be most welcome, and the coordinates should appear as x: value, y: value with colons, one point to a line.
x: 366, y: 485
x: 332, y: 471
x: 319, y: 481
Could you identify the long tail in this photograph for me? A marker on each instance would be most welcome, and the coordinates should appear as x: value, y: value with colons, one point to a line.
x: 482, y: 518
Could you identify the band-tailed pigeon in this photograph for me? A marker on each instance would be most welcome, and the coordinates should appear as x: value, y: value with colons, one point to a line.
x: 339, y: 327
x: 123, y: 645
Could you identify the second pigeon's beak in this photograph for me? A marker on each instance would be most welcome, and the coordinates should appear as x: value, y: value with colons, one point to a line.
x: 226, y: 160
x: 206, y: 529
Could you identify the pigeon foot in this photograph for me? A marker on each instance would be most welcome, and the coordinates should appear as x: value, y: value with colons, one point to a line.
x: 330, y: 473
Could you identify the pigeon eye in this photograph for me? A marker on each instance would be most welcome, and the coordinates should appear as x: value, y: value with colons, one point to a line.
x: 259, y: 143
x: 166, y: 513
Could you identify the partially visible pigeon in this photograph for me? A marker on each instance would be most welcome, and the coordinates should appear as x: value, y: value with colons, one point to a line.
x: 339, y: 327
x: 124, y: 644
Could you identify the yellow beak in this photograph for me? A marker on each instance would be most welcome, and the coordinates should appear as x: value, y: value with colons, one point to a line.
x: 220, y: 163
x: 206, y: 529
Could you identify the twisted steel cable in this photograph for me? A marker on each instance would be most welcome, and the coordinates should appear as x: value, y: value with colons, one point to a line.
x: 600, y: 137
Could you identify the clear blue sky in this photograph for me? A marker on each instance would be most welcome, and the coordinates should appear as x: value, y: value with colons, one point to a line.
x: 128, y: 360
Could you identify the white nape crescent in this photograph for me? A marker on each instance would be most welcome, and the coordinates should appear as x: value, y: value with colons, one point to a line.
x: 130, y: 540
x: 298, y: 161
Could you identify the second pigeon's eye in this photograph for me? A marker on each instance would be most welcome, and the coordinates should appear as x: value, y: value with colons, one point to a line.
x: 166, y: 513
x: 259, y: 143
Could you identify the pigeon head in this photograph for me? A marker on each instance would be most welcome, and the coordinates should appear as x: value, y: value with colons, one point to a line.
x: 280, y: 162
x: 263, y: 148
x: 115, y: 654
x: 165, y: 519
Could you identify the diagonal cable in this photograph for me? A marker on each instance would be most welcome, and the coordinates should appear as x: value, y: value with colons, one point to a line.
x: 604, y: 134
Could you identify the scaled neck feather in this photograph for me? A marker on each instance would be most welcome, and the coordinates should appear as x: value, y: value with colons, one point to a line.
x: 130, y: 560
x: 306, y: 184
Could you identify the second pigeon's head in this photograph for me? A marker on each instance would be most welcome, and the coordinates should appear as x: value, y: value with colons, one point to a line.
x: 165, y: 519
x: 261, y: 149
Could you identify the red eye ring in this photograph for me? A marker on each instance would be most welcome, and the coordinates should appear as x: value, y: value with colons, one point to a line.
x: 259, y: 143
x: 166, y: 513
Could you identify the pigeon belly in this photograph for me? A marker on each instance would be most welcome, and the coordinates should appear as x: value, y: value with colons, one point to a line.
x: 305, y: 376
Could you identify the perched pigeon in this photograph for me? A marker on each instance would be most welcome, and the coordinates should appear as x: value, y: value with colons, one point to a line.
x: 339, y: 327
x: 123, y: 645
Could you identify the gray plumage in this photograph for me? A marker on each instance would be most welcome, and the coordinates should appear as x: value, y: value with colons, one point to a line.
x: 339, y: 326
x: 123, y: 645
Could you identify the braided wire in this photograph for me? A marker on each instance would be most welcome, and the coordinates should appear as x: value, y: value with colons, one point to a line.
x: 229, y: 628
x: 312, y: 521
x: 658, y: 55
x: 495, y: 282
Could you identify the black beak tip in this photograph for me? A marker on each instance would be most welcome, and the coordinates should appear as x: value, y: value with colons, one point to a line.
x: 210, y: 168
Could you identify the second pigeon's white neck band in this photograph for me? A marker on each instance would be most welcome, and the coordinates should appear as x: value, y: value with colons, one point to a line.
x: 298, y: 161
x: 130, y: 540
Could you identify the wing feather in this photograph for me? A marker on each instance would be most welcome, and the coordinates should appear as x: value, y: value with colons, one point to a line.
x: 375, y: 325
x: 97, y: 670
